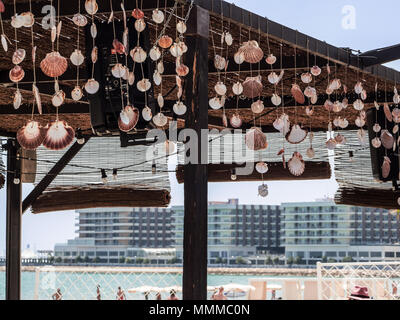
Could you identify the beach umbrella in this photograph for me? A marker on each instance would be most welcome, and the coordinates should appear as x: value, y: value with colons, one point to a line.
x: 274, y: 287
x: 143, y: 289
x: 234, y: 289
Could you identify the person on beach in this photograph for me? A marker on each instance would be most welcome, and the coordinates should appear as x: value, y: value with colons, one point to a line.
x: 213, y: 295
x: 121, y: 294
x: 220, y: 295
x: 98, y: 292
x: 146, y: 295
x: 273, y: 295
x: 172, y: 295
x: 57, y: 295
x: 158, y: 296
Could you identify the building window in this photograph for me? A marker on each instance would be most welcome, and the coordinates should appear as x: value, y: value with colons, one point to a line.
x: 389, y: 254
x: 363, y: 254
x: 376, y: 254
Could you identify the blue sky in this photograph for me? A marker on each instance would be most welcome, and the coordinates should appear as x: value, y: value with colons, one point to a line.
x: 375, y: 27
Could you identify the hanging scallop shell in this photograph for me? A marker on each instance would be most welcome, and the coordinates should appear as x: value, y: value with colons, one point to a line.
x: 77, y: 93
x: 314, y: 99
x: 220, y: 88
x: 309, y: 111
x: 182, y: 70
x: 306, y: 78
x: 157, y: 16
x: 17, y: 21
x: 17, y: 101
x: 296, y: 164
x: 38, y: 100
x: 310, y: 92
x: 271, y: 59
x: 160, y: 120
x: 360, y: 122
x: 273, y: 78
x: 118, y: 46
x: 263, y: 190
x: 252, y: 87
x: 337, y: 107
x: 131, y: 78
x: 137, y: 13
x: 157, y: 78
x: 377, y: 128
x: 276, y: 99
x: 16, y: 74
x: 282, y: 124
x: 80, y: 20
x: 237, y: 88
x: 262, y: 167
x: 155, y: 53
x: 257, y: 106
x: 219, y: 62
x: 256, y: 140
x: 296, y: 135
x: 239, y: 57
x: 215, y: 103
x: 181, y: 27
x: 344, y: 123
x: 147, y: 114
x: 140, y: 25
x: 395, y: 129
x: 297, y: 94
x: 388, y: 113
x: 165, y: 42
x: 176, y: 50
x: 396, y: 115
x: 358, y: 88
x: 54, y: 65
x: 179, y: 108
x: 340, y: 139
x: 310, y: 153
x: 160, y: 100
x: 358, y: 105
x: 236, y: 121
x: 143, y: 85
x: 128, y: 118
x: 363, y: 95
x: 396, y: 98
x: 93, y: 30
x: 376, y: 143
x: 28, y: 19
x: 77, y: 57
x: 138, y: 54
x: 59, y: 135
x: 31, y: 135
x: 118, y: 70
x: 377, y: 107
x: 224, y: 120
x: 94, y: 54
x: 387, y: 139
x: 315, y: 71
x: 228, y: 39
x: 160, y: 67
x: 18, y: 56
x: 361, y: 134
x: 331, y: 144
x: 386, y: 167
x: 91, y: 7
x: 252, y: 52
x: 92, y: 86
x: 58, y: 98
x: 345, y: 103
x: 334, y: 85
x: 4, y: 42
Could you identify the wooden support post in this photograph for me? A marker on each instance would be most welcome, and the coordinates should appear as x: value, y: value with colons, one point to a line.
x: 195, y: 189
x: 13, y: 224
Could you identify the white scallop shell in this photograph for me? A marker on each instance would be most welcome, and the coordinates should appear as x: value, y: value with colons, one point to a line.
x: 376, y: 143
x: 296, y: 165
x: 358, y: 88
x: 263, y: 190
x: 77, y: 93
x: 131, y: 78
x: 257, y: 106
x: 17, y: 99
x: 140, y: 25
x: 157, y: 78
x: 160, y: 120
x: 176, y: 50
x: 331, y: 144
x: 4, y: 42
x: 215, y: 103
x: 157, y: 16
x: 262, y: 167
x: 228, y: 39
x: 237, y: 88
x: 138, y: 55
x: 77, y: 57
x: 310, y: 153
x: 160, y: 67
x: 377, y: 128
x: 118, y: 70
x: 220, y: 88
x: 143, y: 85
x: 360, y: 122
x: 358, y: 105
x: 306, y: 77
x: 181, y: 27
x: 146, y: 113
x: 155, y: 53
x: 93, y: 30
x: 276, y: 99
x: 92, y: 86
x: 160, y: 100
x: 219, y: 62
x: 80, y: 20
x: 239, y: 57
x: 179, y: 108
x: 58, y: 98
x: 296, y: 135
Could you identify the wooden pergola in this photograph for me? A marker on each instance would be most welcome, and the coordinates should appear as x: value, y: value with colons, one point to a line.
x: 207, y: 17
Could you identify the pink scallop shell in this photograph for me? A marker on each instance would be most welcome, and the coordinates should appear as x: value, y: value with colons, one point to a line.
x: 256, y: 140
x: 31, y: 135
x: 296, y: 164
x: 133, y: 115
x: 54, y: 65
x: 59, y: 135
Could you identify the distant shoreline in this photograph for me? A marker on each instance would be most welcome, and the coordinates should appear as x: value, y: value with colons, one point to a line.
x: 213, y: 270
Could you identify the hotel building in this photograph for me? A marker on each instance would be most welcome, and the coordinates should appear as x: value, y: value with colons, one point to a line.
x: 322, y: 230
x: 236, y: 230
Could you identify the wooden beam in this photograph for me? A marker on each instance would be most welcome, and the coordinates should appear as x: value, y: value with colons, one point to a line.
x: 48, y: 179
x: 380, y: 56
x: 196, y: 204
x: 14, y: 223
x: 222, y: 173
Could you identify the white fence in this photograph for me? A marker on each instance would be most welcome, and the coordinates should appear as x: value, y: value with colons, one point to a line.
x: 336, y: 280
